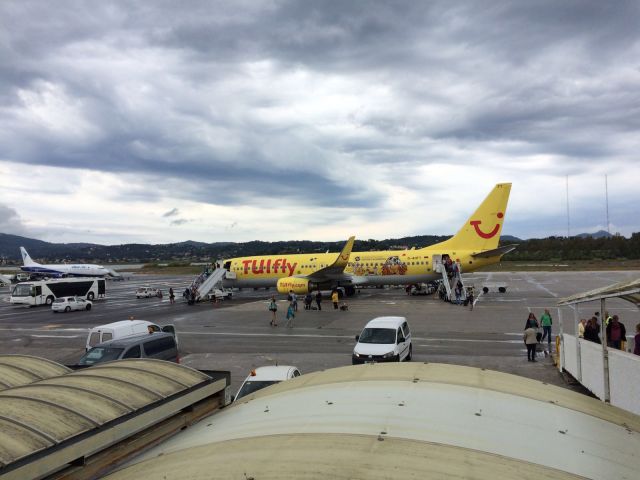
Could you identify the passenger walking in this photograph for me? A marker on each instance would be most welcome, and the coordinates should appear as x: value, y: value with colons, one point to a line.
x: 290, y: 315
x: 294, y: 300
x: 581, y: 325
x: 636, y: 341
x: 172, y: 297
x: 307, y: 301
x: 546, y: 322
x: 592, y: 331
x: 458, y: 293
x: 319, y: 300
x: 616, y: 333
x: 530, y: 341
x: 470, y: 298
x: 273, y: 308
x: 334, y: 298
x: 532, y: 321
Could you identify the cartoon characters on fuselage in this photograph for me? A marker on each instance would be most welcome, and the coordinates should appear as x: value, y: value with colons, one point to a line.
x: 391, y: 266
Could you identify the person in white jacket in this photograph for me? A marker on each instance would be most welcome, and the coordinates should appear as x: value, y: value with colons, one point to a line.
x: 531, y: 341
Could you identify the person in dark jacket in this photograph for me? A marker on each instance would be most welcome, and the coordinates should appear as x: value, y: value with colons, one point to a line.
x: 616, y: 333
x: 592, y: 331
x: 319, y: 299
x: 532, y: 322
x: 308, y: 298
x: 636, y: 347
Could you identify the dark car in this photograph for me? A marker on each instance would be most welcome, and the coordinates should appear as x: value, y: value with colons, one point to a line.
x: 158, y: 345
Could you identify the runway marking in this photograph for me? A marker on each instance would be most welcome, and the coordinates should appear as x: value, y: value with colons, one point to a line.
x: 540, y: 286
x: 471, y: 340
x: 54, y: 336
x: 232, y: 334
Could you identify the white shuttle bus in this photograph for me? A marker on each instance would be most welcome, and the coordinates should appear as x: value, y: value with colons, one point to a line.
x: 44, y: 292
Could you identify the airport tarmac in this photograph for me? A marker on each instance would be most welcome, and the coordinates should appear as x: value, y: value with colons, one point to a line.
x: 235, y: 335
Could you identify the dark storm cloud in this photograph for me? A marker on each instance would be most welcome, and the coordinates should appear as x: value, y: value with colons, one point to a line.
x: 166, y: 90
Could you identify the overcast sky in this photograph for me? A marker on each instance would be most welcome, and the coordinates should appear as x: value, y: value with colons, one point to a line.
x: 160, y: 122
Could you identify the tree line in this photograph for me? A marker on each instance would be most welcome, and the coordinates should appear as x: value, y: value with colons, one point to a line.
x: 576, y: 248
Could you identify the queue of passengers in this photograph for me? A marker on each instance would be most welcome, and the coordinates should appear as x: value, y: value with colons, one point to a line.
x: 615, y: 329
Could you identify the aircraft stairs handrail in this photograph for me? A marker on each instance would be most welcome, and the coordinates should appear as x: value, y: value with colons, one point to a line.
x: 445, y: 282
x: 209, y: 283
x: 454, y: 281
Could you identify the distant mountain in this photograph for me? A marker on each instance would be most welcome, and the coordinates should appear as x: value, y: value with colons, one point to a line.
x: 510, y: 239
x: 10, y: 247
x: 598, y: 234
x: 584, y: 246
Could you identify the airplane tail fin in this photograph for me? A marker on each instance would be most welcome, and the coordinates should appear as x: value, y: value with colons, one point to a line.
x: 343, y: 258
x: 482, y: 230
x: 26, y: 259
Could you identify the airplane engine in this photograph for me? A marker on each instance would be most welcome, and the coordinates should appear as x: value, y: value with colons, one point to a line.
x: 300, y: 286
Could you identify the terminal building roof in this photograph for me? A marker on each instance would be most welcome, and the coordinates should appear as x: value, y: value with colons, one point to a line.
x: 49, y: 413
x: 16, y: 370
x: 411, y: 420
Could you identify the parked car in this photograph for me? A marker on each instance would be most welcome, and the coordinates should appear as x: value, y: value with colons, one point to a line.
x: 147, y: 292
x: 383, y: 339
x: 66, y: 304
x: 158, y: 345
x: 262, y: 377
x: 121, y: 329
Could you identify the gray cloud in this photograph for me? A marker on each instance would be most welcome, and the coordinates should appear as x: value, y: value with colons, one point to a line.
x: 179, y: 221
x: 267, y: 102
x: 10, y: 221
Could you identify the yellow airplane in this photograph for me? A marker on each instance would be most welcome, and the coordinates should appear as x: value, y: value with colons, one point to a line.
x: 473, y: 247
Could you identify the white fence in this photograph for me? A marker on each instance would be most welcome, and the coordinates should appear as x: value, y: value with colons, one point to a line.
x: 585, y: 361
x: 592, y: 367
x: 624, y: 380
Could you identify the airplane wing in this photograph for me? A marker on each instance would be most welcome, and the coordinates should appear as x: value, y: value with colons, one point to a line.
x: 336, y: 269
x: 496, y: 252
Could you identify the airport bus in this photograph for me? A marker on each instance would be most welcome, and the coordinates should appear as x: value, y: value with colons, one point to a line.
x: 44, y: 292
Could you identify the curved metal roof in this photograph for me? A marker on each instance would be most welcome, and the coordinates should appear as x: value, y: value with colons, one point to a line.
x: 18, y: 370
x: 629, y: 291
x: 39, y: 415
x: 404, y: 420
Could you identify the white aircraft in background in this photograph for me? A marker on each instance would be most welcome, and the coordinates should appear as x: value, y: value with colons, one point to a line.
x: 4, y: 280
x: 63, y: 269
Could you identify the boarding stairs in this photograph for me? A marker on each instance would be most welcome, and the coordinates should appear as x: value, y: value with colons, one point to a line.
x: 204, y: 284
x: 455, y: 278
x: 451, y: 282
x: 113, y: 273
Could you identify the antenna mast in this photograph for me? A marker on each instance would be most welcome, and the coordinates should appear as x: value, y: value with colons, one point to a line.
x: 606, y: 197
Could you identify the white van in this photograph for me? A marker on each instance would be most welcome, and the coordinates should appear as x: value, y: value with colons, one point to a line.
x: 121, y: 329
x: 383, y: 339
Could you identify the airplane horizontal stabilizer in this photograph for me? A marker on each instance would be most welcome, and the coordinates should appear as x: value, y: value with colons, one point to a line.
x: 496, y: 252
